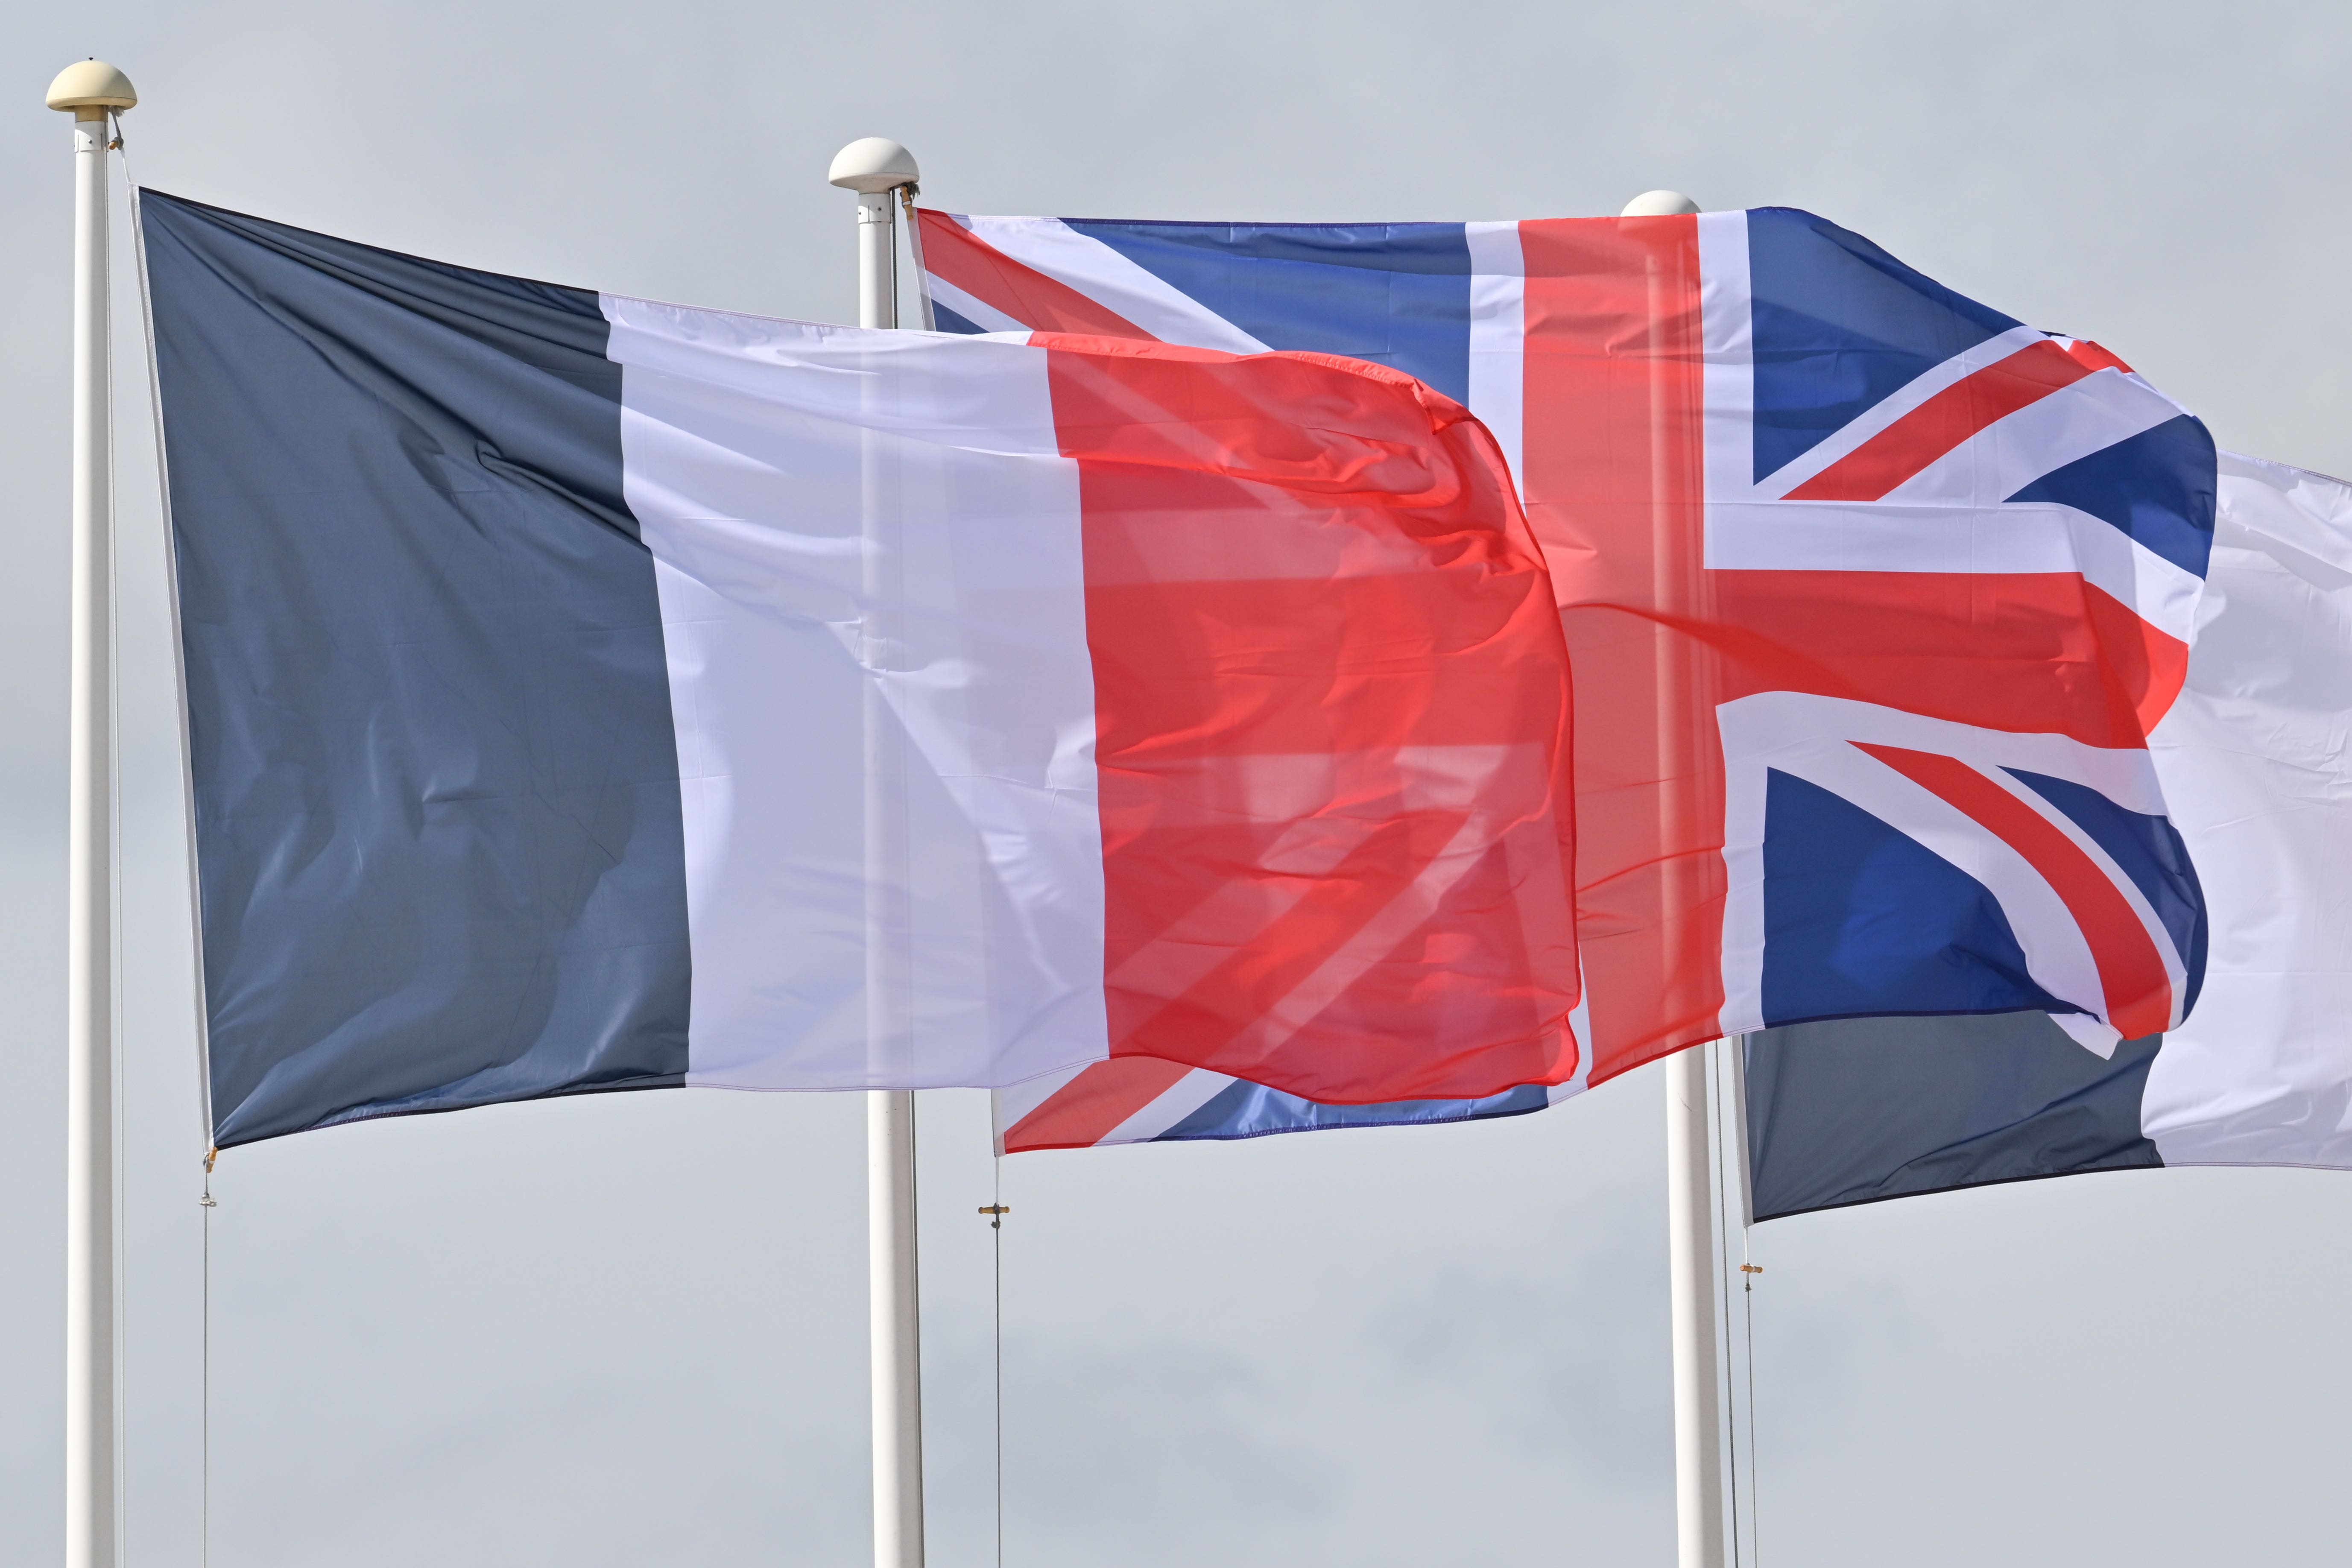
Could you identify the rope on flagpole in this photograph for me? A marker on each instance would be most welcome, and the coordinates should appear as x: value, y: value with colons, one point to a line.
x: 1747, y: 1317
x: 1727, y: 1108
x: 178, y: 668
x: 205, y: 1384
x: 114, y: 914
x: 1717, y: 1100
x: 907, y: 194
x: 996, y: 1210
x: 195, y: 926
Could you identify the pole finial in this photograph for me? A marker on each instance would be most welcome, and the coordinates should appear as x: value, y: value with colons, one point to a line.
x: 1659, y: 204
x: 89, y: 89
x: 872, y: 164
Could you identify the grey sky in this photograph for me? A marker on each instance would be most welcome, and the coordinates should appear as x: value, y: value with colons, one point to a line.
x: 630, y: 1330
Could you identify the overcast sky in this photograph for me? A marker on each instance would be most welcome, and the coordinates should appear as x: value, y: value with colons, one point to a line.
x: 631, y: 1329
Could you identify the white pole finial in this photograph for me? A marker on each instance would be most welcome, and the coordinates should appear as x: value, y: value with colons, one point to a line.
x: 1659, y: 204
x: 875, y: 168
x: 873, y: 164
x: 91, y: 90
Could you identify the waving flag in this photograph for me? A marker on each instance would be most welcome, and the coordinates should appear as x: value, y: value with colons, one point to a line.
x: 589, y: 693
x: 2254, y: 765
x: 1857, y: 1110
x: 1871, y: 593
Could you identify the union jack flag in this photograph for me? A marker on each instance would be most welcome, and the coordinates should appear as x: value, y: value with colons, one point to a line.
x: 1872, y: 594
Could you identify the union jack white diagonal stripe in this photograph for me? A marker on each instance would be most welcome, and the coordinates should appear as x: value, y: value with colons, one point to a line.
x: 1872, y: 596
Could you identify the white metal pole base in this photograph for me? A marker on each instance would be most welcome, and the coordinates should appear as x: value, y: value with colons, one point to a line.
x: 1691, y: 1254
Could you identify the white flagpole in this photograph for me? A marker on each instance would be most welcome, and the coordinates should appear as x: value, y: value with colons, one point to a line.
x: 1690, y: 1255
x: 1734, y: 1073
x: 90, y: 90
x: 1691, y: 1244
x: 875, y: 168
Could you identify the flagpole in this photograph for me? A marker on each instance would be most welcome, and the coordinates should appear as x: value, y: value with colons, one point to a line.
x: 1690, y: 1261
x: 90, y: 90
x: 1691, y: 1247
x: 875, y: 167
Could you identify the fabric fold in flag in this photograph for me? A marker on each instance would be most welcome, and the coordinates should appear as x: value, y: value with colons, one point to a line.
x: 2256, y: 775
x: 586, y: 692
x: 1135, y: 1099
x: 1873, y: 593
x: 1852, y: 1111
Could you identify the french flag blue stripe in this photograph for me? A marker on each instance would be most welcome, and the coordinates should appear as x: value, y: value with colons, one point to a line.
x: 1856, y: 1110
x: 438, y: 809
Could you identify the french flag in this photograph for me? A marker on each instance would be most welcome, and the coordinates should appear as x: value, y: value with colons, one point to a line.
x: 588, y: 693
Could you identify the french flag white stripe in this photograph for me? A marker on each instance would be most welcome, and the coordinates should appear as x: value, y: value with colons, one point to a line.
x: 753, y: 452
x: 2254, y: 763
x: 1110, y: 280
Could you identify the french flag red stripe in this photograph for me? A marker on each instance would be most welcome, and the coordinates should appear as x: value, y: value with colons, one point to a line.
x: 1331, y: 738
